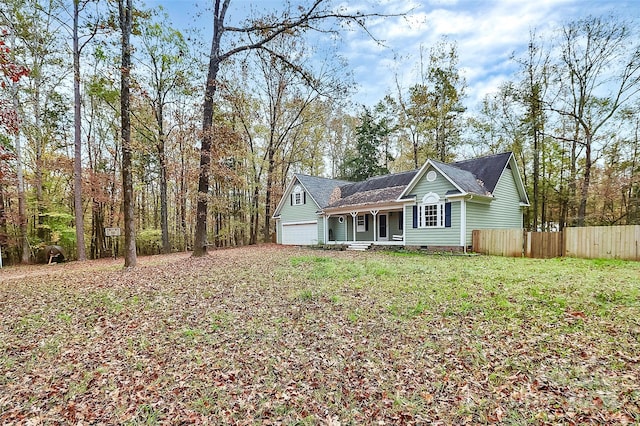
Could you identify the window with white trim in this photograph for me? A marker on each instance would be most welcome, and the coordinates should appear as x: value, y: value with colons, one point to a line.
x: 361, y: 223
x: 431, y: 212
x: 298, y: 196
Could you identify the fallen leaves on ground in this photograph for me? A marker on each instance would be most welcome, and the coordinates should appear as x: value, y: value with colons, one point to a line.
x: 272, y: 335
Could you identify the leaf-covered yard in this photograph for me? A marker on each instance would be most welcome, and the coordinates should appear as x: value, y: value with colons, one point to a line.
x: 265, y: 335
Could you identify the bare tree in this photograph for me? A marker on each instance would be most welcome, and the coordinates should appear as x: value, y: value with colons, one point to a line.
x: 10, y: 74
x: 167, y: 72
x: 130, y: 257
x: 78, y: 6
x: 257, y: 34
x: 600, y: 60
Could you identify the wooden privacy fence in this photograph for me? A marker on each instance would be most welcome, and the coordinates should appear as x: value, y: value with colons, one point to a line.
x: 498, y: 242
x: 543, y: 245
x: 609, y: 242
x: 593, y: 242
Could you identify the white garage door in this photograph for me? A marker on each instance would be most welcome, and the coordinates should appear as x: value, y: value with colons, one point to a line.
x: 302, y: 234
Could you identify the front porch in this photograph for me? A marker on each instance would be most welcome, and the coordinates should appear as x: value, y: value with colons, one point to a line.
x: 372, y: 226
x: 369, y: 244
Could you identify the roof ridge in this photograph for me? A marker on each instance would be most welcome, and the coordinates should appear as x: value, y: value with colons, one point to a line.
x: 389, y: 174
x: 313, y: 176
x: 483, y: 157
x: 339, y: 181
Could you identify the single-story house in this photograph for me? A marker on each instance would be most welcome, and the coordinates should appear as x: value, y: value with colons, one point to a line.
x: 438, y: 205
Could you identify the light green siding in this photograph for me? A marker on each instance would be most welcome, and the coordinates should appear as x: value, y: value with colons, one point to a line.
x: 344, y: 231
x: 503, y: 212
x: 301, y: 213
x: 338, y: 229
x: 360, y: 236
x: 278, y: 231
x: 393, y: 224
x: 367, y: 235
x: 433, y: 236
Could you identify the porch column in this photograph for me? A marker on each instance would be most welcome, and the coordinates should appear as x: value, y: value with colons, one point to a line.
x: 353, y: 216
x: 325, y: 218
x: 374, y: 213
x: 404, y: 225
x: 463, y: 225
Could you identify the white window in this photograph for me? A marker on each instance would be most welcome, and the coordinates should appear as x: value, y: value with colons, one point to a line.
x: 297, y: 197
x: 361, y: 224
x: 431, y: 212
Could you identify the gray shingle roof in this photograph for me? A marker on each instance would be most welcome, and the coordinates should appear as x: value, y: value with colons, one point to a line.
x: 320, y: 188
x: 487, y: 169
x: 476, y: 176
x: 378, y: 182
x: 381, y: 195
x: 464, y: 179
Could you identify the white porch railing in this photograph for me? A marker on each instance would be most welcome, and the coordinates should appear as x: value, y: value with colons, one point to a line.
x: 375, y: 243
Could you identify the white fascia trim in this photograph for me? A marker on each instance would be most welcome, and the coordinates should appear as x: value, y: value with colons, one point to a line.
x: 305, y: 222
x: 473, y: 198
x: 408, y: 201
x: 415, y: 180
x: 285, y: 195
x: 449, y: 179
x: 309, y: 194
x: 480, y: 199
x: 365, y: 208
x: 456, y: 197
x: 521, y: 189
x: 419, y: 176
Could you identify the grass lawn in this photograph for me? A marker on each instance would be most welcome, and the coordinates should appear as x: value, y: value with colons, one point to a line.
x: 265, y: 335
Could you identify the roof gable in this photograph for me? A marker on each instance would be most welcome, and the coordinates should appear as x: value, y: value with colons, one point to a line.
x: 478, y: 176
x: 320, y: 188
x: 464, y: 180
x: 487, y: 169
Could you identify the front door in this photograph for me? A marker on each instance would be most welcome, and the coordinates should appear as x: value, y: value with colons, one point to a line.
x: 382, y: 227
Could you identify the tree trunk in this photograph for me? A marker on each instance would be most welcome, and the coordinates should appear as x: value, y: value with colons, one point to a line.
x: 22, y: 205
x: 586, y: 180
x: 200, y: 237
x: 183, y: 200
x: 255, y: 215
x: 77, y: 141
x: 267, y: 197
x: 38, y: 148
x: 130, y: 257
x: 3, y: 224
x: 97, y: 231
x: 573, y: 176
x: 164, y: 213
x: 164, y: 210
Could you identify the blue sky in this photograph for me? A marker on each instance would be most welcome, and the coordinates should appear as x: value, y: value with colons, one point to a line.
x: 487, y: 33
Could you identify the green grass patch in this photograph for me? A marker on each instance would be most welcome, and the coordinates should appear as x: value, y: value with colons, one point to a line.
x: 291, y: 336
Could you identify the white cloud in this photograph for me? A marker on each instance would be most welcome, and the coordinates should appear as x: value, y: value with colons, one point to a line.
x: 487, y: 33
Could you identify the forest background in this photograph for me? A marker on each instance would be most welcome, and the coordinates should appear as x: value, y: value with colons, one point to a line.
x: 285, y: 100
